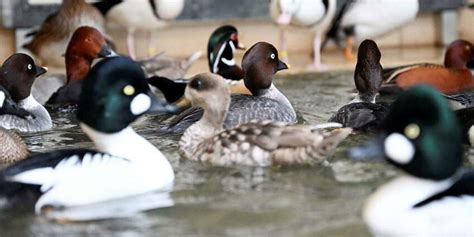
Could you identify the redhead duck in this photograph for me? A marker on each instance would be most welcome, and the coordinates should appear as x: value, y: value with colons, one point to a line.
x: 264, y: 143
x: 365, y: 19
x: 363, y: 113
x: 453, y: 77
x: 17, y: 75
x: 434, y: 195
x: 314, y: 14
x: 51, y: 40
x: 145, y: 15
x: 114, y: 94
x: 259, y: 63
x: 86, y: 44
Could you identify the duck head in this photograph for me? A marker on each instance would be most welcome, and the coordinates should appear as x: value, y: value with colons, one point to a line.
x: 221, y: 47
x: 114, y: 94
x: 208, y: 91
x: 86, y: 44
x: 17, y: 75
x: 420, y: 136
x: 458, y: 54
x: 368, y: 72
x: 260, y: 63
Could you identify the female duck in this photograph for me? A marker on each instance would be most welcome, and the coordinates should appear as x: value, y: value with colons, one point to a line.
x: 259, y: 63
x: 256, y: 143
x: 17, y: 75
x: 115, y: 93
x: 363, y: 113
x: 435, y: 197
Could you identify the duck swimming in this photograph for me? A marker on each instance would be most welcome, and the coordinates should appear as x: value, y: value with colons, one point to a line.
x: 363, y: 113
x: 434, y: 196
x: 17, y: 75
x: 263, y: 143
x: 86, y: 45
x: 259, y: 63
x: 451, y: 78
x: 114, y: 94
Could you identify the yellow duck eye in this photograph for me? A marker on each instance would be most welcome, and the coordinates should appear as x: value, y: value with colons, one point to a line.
x: 412, y: 131
x: 128, y: 90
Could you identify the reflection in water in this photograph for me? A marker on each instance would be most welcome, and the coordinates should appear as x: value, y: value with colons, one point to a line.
x: 324, y: 200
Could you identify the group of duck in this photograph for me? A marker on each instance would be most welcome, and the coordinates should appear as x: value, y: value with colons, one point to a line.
x: 238, y: 117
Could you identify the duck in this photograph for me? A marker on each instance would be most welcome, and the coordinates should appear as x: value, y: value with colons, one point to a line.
x: 50, y: 41
x: 257, y: 143
x: 142, y: 15
x: 221, y: 47
x: 451, y: 78
x: 9, y: 106
x: 114, y: 95
x: 314, y: 14
x: 364, y: 19
x: 266, y: 102
x: 17, y: 75
x: 434, y: 195
x: 362, y: 113
x: 86, y: 45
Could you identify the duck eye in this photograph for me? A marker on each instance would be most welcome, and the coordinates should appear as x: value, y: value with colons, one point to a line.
x: 412, y: 131
x: 272, y: 56
x: 195, y: 84
x: 128, y: 90
x: 30, y: 66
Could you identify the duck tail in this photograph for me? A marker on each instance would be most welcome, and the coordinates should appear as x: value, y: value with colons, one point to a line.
x: 329, y: 143
x: 173, y: 90
x: 189, y: 61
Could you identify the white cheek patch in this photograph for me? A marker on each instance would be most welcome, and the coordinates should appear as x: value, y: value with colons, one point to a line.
x: 140, y: 104
x: 2, y: 98
x: 399, y: 149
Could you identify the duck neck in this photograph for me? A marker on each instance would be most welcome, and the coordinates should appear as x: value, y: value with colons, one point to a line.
x: 77, y: 68
x: 126, y: 144
x: 400, y: 196
x: 366, y: 97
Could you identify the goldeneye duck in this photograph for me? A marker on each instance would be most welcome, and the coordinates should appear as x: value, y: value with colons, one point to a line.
x: 259, y: 63
x: 50, y: 41
x: 264, y: 143
x: 87, y: 44
x: 114, y: 94
x: 17, y: 75
x: 314, y: 14
x: 365, y: 19
x: 363, y: 113
x: 434, y: 196
x: 144, y: 15
x: 452, y: 77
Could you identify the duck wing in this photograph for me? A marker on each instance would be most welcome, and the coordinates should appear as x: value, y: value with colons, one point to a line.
x: 361, y: 116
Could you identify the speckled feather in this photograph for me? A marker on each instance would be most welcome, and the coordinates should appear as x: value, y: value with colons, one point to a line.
x: 13, y: 148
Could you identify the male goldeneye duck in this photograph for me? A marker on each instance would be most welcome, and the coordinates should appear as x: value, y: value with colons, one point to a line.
x: 364, y: 19
x: 259, y: 63
x: 363, y: 113
x: 86, y: 44
x: 314, y: 14
x: 264, y: 143
x: 220, y: 54
x: 50, y: 41
x: 143, y: 15
x: 17, y: 75
x: 114, y: 94
x: 435, y: 196
x: 452, y: 77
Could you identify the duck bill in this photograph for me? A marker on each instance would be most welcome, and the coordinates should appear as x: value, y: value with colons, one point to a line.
x: 40, y: 71
x: 281, y: 65
x: 371, y: 150
x: 106, y: 52
x: 159, y: 107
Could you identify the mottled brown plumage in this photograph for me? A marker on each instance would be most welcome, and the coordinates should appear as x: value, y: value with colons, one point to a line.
x: 12, y: 147
x: 262, y: 143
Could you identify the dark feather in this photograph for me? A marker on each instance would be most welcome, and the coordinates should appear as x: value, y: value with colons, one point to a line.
x: 361, y: 116
x: 173, y: 90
